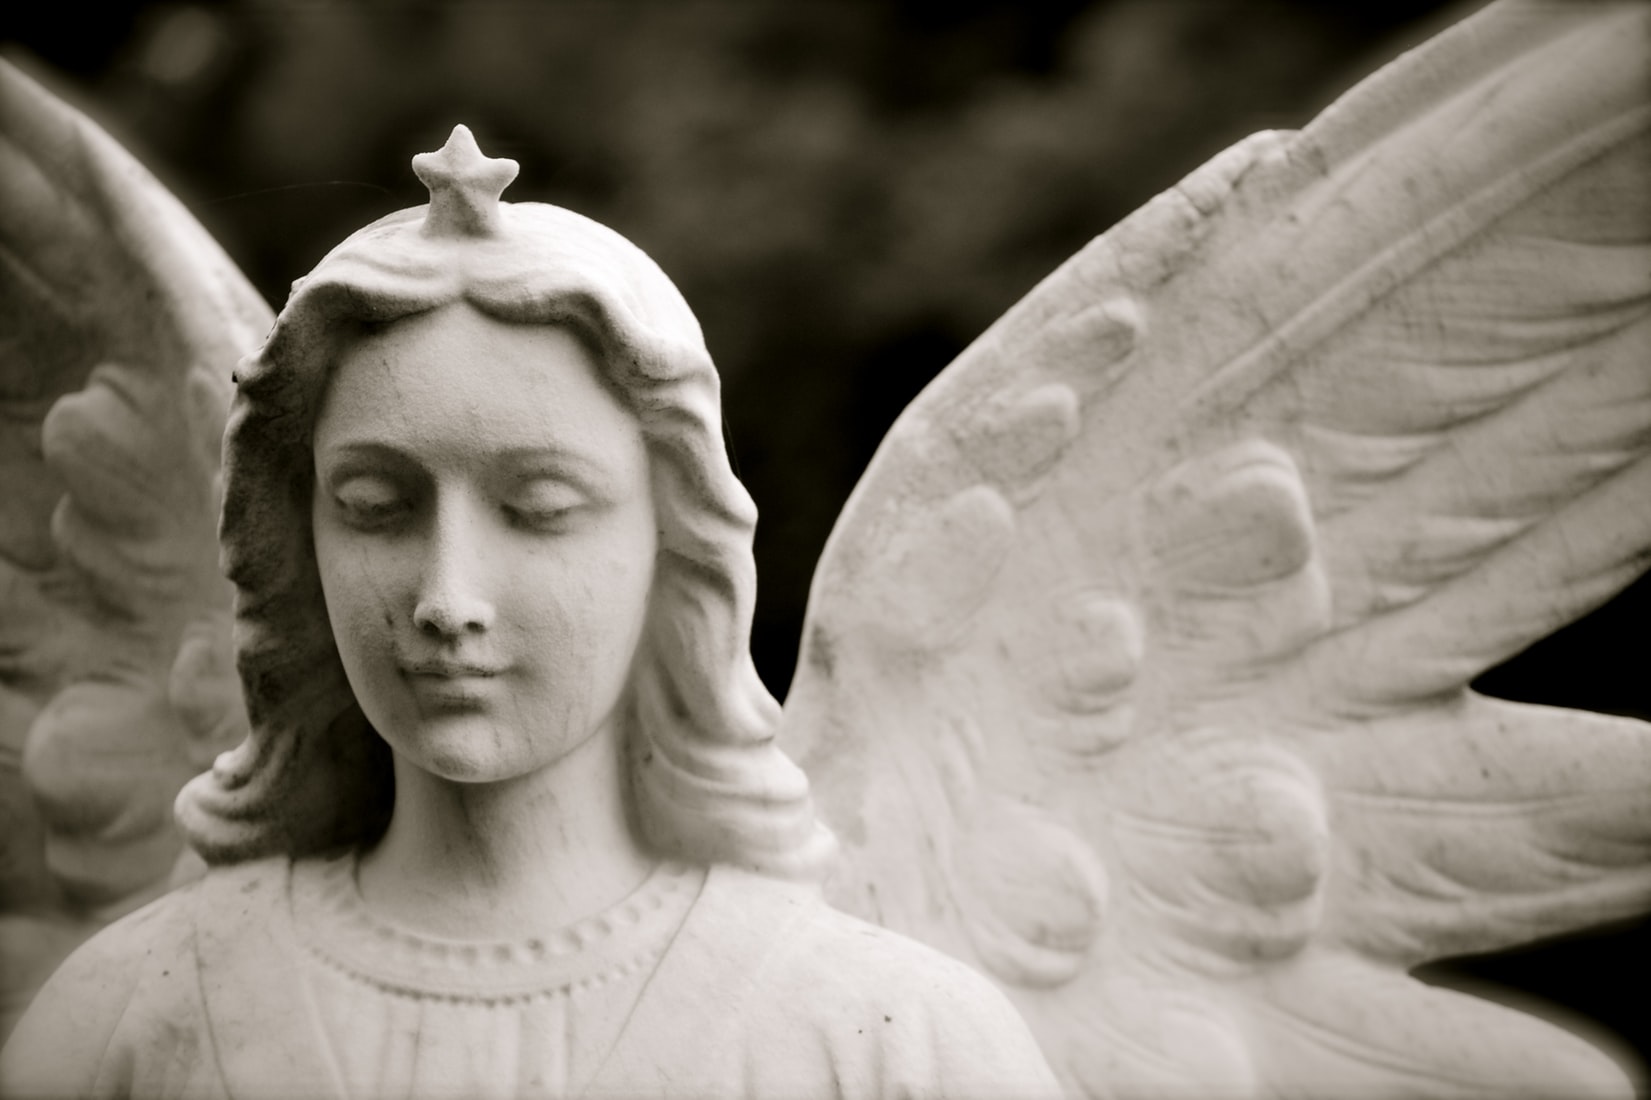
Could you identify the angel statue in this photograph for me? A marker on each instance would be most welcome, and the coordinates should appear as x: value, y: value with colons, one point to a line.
x: 1134, y: 685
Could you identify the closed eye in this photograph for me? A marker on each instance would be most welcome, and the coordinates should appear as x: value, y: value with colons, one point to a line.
x: 544, y: 504
x: 370, y: 502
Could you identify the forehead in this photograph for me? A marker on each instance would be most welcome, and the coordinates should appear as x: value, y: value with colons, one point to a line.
x: 456, y: 380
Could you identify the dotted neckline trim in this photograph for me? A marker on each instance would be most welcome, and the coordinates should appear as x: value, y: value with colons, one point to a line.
x: 336, y: 928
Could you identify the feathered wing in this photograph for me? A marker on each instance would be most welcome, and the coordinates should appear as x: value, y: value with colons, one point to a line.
x: 120, y: 322
x: 1136, y: 671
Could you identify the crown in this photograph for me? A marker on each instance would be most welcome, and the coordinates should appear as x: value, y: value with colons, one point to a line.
x: 464, y: 187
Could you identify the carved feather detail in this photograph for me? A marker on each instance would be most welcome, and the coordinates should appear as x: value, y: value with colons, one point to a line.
x: 1370, y: 411
x: 122, y: 322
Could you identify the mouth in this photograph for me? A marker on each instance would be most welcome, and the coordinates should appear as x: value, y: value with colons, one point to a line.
x: 448, y: 670
x: 451, y: 687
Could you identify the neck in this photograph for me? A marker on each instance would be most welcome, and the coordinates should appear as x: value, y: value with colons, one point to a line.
x: 505, y: 860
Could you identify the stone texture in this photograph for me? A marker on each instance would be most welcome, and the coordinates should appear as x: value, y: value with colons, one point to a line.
x: 1136, y: 673
x: 493, y: 593
x: 1137, y: 668
x: 119, y: 315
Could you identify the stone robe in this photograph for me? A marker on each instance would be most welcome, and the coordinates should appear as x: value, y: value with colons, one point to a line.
x: 269, y: 979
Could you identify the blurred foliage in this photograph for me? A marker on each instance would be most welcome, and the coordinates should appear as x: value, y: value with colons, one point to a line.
x: 847, y: 193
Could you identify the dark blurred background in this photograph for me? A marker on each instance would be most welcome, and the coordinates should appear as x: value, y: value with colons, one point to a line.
x: 847, y: 193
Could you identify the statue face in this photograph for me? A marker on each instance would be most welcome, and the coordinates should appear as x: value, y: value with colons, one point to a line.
x: 485, y: 534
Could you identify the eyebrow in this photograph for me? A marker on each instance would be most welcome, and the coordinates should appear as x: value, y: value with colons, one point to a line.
x: 363, y: 448
x: 546, y: 455
x: 536, y: 460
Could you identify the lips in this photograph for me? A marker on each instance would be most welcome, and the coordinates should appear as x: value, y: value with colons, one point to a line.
x: 448, y: 670
x: 444, y: 686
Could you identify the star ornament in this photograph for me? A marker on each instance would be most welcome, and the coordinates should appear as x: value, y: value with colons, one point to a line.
x: 465, y: 186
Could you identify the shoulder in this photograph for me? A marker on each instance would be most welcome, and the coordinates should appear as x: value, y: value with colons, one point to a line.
x: 887, y: 1012
x: 876, y: 973
x: 103, y: 972
x: 228, y: 897
x: 828, y: 948
x: 136, y: 974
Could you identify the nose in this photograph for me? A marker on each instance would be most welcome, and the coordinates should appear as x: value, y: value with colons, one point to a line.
x: 451, y: 600
x: 450, y: 615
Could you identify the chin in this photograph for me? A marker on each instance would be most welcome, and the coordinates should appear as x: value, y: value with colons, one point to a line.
x: 474, y: 746
x: 460, y: 768
x: 460, y: 751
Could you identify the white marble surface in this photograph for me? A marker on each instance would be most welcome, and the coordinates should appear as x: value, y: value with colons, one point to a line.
x: 493, y: 581
x: 1137, y: 670
x: 1135, y: 675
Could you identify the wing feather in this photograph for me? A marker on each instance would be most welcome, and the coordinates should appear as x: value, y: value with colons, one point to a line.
x: 120, y: 322
x: 1216, y: 527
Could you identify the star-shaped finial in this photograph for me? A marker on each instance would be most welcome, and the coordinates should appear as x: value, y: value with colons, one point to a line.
x: 464, y: 187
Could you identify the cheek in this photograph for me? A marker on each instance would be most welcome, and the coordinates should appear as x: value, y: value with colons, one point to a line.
x: 579, y: 616
x: 587, y: 617
x: 357, y: 587
x: 628, y: 589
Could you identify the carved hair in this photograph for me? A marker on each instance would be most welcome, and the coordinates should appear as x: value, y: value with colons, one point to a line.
x: 710, y: 784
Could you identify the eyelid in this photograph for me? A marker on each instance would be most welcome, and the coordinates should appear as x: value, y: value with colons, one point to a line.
x: 374, y: 483
x: 545, y: 498
x: 353, y: 463
x: 369, y: 500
